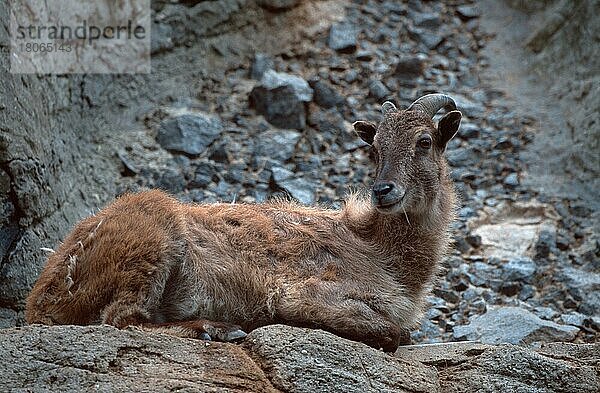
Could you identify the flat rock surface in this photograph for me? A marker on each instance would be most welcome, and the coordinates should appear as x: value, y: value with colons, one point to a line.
x: 104, y: 359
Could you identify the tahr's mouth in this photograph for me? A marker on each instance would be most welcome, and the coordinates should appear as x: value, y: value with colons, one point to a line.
x: 390, y: 206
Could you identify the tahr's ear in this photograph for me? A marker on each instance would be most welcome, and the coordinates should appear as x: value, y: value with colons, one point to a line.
x: 448, y: 127
x: 365, y: 130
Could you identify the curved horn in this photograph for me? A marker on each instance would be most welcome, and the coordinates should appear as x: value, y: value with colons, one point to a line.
x: 430, y: 104
x: 388, y: 107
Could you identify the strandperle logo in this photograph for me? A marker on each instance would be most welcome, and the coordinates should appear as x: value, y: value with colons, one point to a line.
x: 74, y: 36
x: 82, y: 32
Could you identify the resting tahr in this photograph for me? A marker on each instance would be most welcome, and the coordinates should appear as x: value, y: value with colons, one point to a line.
x: 219, y: 270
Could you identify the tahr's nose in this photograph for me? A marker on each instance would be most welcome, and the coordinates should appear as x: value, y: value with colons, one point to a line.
x: 382, y: 189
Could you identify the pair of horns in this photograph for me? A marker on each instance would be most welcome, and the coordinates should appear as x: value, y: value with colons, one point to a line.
x: 429, y: 104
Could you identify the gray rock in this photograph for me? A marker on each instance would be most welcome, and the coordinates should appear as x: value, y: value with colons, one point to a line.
x: 409, y: 67
x: 278, y: 5
x: 261, y: 63
x: 475, y: 367
x: 584, y: 286
x: 511, y: 180
x: 281, y: 97
x: 429, y: 39
x: 378, y: 90
x: 342, y: 37
x: 302, y: 190
x: 304, y: 360
x: 10, y: 318
x: 545, y: 242
x: 427, y: 19
x: 469, y: 131
x: 468, y: 11
x: 512, y: 325
x: 325, y: 95
x: 519, y: 269
x: 463, y: 156
x: 189, y: 133
x: 545, y: 312
x: 203, y: 175
x: 575, y: 319
x: 467, y: 106
x: 280, y: 174
x: 278, y: 145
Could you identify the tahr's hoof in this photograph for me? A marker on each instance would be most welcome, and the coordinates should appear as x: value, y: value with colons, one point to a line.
x: 235, y: 335
x: 205, y: 337
x: 222, y: 331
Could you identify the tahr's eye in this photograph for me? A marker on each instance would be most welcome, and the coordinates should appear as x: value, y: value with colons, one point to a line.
x: 424, y: 142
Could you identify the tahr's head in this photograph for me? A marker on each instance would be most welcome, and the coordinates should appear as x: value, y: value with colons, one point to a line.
x: 409, y: 149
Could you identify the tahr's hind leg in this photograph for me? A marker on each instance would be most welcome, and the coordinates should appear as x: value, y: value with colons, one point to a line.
x: 200, y: 329
x: 128, y: 312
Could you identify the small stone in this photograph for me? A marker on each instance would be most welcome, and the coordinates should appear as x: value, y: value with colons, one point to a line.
x: 129, y: 168
x: 219, y: 153
x: 563, y: 241
x: 427, y: 20
x: 584, y: 286
x: 364, y: 55
x: 429, y: 39
x: 512, y: 180
x: 325, y: 95
x: 468, y: 12
x: 261, y: 64
x: 463, y: 156
x: 170, y: 180
x: 513, y: 325
x: 545, y: 312
x: 510, y: 288
x: 280, y: 174
x: 203, y: 175
x: 473, y: 240
x: 351, y: 76
x: 466, y: 212
x: 519, y: 269
x: 378, y: 90
x: 278, y: 5
x: 281, y: 98
x: 460, y: 285
x: 189, y: 133
x: 433, y: 313
x: 409, y: 67
x: 342, y: 37
x: 447, y: 295
x: 575, y: 319
x: 527, y: 292
x: 278, y: 145
x: 300, y: 189
x: 545, y: 241
x: 430, y: 329
x: 469, y: 131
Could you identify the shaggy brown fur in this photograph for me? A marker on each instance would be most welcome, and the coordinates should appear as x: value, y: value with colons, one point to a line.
x: 361, y: 273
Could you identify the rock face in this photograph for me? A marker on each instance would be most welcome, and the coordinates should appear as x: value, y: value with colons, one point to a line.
x: 278, y: 358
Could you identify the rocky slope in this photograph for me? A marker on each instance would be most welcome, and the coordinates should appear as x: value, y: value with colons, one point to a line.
x: 253, y: 99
